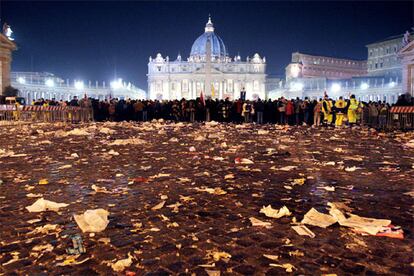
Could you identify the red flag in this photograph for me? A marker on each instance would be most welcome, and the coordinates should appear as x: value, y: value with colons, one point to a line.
x: 202, y: 98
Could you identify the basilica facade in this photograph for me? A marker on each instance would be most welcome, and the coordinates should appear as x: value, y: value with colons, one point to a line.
x: 179, y: 78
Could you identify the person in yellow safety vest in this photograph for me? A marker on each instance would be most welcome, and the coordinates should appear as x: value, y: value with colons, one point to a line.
x: 46, y: 114
x: 340, y: 106
x: 352, y: 110
x: 327, y: 110
x: 16, y: 114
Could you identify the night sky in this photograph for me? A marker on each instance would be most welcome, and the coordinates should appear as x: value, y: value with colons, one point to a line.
x: 96, y: 40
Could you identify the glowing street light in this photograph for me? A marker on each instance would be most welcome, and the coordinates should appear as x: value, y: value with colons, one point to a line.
x: 391, y: 84
x: 21, y: 80
x: 364, y: 86
x: 116, y: 84
x: 336, y: 87
x: 49, y: 83
x: 79, y: 85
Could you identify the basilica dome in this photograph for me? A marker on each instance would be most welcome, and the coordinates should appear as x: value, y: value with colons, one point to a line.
x: 218, y: 50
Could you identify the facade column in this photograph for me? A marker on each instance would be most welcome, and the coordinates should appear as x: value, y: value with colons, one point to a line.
x: 221, y: 90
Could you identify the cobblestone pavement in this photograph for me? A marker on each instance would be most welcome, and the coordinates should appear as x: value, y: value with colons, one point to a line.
x: 199, y: 230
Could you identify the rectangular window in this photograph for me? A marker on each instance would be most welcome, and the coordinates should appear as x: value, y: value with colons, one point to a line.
x: 376, y: 65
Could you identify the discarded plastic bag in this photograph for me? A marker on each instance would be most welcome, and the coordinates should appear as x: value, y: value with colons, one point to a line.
x: 92, y: 220
x: 45, y: 205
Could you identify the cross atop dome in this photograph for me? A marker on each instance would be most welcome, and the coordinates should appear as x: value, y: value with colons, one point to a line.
x: 209, y: 26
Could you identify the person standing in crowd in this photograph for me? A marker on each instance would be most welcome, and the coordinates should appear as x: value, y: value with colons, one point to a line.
x: 383, y: 114
x: 191, y: 111
x: 317, y: 113
x: 340, y: 106
x: 247, y: 110
x: 243, y: 94
x: 74, y: 101
x: 259, y: 107
x: 138, y: 107
x: 352, y: 110
x: 373, y: 114
x: 239, y: 109
x: 297, y: 107
x: 305, y: 108
x: 327, y: 110
x: 281, y: 106
x: 290, y: 111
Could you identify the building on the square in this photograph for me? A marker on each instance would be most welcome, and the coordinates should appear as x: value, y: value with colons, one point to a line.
x: 387, y: 73
x: 7, y: 46
x: 313, y: 66
x: 406, y: 54
x: 179, y: 78
x: 383, y: 60
x: 36, y: 85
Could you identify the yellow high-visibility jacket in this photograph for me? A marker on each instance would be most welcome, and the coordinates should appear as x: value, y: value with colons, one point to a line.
x: 352, y: 111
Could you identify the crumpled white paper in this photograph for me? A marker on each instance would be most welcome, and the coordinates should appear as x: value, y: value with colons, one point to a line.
x: 45, y: 205
x: 94, y: 220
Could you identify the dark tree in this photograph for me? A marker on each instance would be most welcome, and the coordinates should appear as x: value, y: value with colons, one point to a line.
x: 10, y: 91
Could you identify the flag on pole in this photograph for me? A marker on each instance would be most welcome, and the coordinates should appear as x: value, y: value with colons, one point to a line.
x: 202, y: 98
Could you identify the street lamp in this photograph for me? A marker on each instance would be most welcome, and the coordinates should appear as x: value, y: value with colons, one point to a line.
x: 391, y: 84
x: 79, y: 85
x: 50, y: 83
x: 364, y: 86
x: 336, y: 87
x: 21, y: 80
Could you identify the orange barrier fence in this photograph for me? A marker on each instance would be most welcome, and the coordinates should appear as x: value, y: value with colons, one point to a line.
x: 33, y: 113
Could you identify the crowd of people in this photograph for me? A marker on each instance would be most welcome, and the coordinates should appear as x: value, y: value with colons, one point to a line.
x: 324, y: 111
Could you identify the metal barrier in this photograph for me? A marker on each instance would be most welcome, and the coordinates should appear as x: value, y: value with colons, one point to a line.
x: 401, y: 117
x: 34, y: 113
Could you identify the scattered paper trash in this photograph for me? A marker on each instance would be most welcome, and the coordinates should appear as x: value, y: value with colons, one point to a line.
x: 303, y: 231
x: 315, y: 218
x: 288, y: 267
x: 273, y: 213
x: 120, y: 265
x: 42, y: 205
x: 43, y: 182
x: 158, y: 206
x: 92, y: 220
x: 243, y: 161
x: 257, y: 222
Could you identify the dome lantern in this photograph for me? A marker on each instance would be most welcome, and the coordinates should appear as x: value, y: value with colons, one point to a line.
x: 218, y: 49
x: 209, y: 26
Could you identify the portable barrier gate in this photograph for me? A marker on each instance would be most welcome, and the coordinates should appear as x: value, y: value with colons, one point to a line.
x: 34, y: 113
x: 401, y: 117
